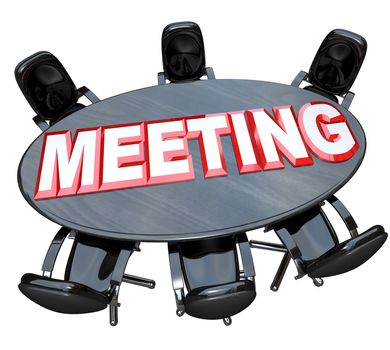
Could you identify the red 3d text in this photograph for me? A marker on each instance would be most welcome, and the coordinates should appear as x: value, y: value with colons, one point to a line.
x: 156, y: 152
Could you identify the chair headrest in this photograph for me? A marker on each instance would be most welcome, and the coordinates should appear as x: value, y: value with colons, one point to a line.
x: 338, y: 61
x: 46, y: 85
x: 183, y: 51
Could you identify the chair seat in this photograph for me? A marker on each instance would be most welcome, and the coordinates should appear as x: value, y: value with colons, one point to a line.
x: 348, y: 255
x: 62, y: 296
x: 220, y: 301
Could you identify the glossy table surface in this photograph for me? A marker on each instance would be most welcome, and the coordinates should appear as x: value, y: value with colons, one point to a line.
x: 201, y: 207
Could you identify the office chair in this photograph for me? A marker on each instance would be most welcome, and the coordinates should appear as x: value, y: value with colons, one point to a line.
x: 311, y: 242
x: 93, y: 275
x: 49, y: 89
x: 183, y: 54
x: 335, y: 66
x: 209, y: 270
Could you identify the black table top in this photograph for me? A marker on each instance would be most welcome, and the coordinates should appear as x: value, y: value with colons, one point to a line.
x: 201, y: 207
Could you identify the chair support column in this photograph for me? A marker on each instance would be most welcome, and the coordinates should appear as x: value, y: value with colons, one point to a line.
x: 114, y: 304
x: 275, y: 247
x: 280, y: 272
x: 177, y: 278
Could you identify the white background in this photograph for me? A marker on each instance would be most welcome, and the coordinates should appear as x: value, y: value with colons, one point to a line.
x: 113, y: 47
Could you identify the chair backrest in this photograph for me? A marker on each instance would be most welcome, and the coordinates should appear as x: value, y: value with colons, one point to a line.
x: 46, y: 85
x: 209, y: 262
x: 183, y: 52
x: 338, y: 61
x: 92, y: 261
x: 311, y: 232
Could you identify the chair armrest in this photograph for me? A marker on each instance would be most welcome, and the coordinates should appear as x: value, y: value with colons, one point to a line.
x: 210, y: 73
x: 301, y: 76
x: 347, y: 99
x: 288, y: 241
x: 40, y: 123
x: 175, y: 266
x: 344, y: 214
x: 52, y: 252
x: 161, y: 78
x: 121, y: 262
x: 177, y: 277
x: 246, y: 255
x: 88, y: 94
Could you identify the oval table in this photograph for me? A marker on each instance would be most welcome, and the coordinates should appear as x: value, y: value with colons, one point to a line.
x: 201, y: 207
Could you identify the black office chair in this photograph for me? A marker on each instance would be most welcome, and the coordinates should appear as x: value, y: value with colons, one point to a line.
x: 49, y: 89
x: 183, y: 54
x: 209, y: 270
x: 335, y: 66
x: 93, y: 276
x: 310, y: 240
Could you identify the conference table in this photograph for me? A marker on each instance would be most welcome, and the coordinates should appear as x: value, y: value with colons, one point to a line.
x: 191, y: 160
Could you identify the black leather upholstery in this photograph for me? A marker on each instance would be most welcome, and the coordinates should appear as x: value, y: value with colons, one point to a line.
x: 312, y: 242
x: 183, y: 52
x: 210, y: 269
x: 92, y: 261
x: 62, y: 296
x: 311, y: 233
x: 349, y: 254
x: 216, y: 302
x: 46, y: 85
x: 209, y: 262
x: 88, y: 280
x: 337, y: 62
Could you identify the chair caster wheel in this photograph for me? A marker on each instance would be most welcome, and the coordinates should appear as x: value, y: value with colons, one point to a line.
x: 179, y: 313
x: 227, y: 321
x: 318, y: 282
